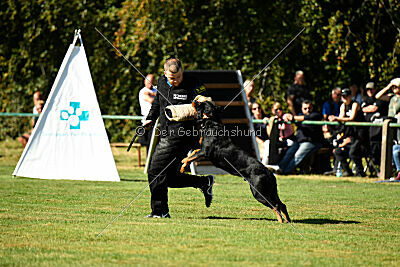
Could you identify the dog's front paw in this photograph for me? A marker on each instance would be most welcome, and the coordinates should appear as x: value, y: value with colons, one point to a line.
x: 182, y: 170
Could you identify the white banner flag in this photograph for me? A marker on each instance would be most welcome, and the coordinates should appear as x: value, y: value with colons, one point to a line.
x: 69, y: 140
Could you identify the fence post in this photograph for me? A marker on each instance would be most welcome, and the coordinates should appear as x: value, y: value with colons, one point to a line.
x: 386, y: 153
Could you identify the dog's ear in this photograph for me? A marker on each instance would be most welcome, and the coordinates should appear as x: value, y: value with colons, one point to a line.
x: 199, y: 109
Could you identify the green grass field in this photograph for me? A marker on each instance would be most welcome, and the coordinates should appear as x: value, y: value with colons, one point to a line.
x: 345, y: 222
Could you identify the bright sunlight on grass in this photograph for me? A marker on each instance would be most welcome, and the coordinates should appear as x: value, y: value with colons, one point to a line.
x: 345, y: 222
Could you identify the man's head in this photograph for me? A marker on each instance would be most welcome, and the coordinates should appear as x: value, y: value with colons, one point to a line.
x: 173, y: 70
x: 256, y: 110
x: 299, y: 77
x: 248, y: 87
x: 149, y: 81
x: 277, y: 109
x: 336, y: 94
x: 346, y: 95
x: 370, y: 88
x: 36, y: 97
x: 306, y: 107
x: 395, y: 86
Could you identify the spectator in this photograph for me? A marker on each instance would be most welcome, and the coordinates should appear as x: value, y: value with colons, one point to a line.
x: 393, y: 97
x: 394, y: 111
x: 297, y: 93
x: 260, y: 129
x: 147, y: 94
x: 249, y: 90
x: 351, y: 138
x: 374, y: 110
x: 285, y: 134
x: 332, y: 107
x: 308, y: 139
x: 396, y: 159
x: 23, y: 139
x: 146, y: 98
x: 37, y: 96
x: 355, y: 93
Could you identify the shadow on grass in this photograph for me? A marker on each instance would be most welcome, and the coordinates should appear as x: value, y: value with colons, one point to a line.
x: 306, y: 221
x: 325, y: 221
x: 234, y: 218
x: 133, y: 180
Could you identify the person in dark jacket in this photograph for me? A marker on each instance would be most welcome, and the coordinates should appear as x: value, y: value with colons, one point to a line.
x: 176, y: 139
x: 374, y: 111
x: 309, y: 139
x: 297, y: 93
x: 352, y: 137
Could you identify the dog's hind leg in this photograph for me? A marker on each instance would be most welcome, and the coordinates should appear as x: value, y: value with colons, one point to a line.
x: 273, y: 203
x: 278, y: 215
x: 282, y: 208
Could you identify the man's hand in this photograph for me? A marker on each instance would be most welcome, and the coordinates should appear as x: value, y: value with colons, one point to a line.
x: 287, y: 117
x: 147, y: 123
x: 332, y: 118
x: 345, y: 142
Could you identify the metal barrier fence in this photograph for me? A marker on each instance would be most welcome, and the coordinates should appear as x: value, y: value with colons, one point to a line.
x: 113, y: 117
x: 387, y: 134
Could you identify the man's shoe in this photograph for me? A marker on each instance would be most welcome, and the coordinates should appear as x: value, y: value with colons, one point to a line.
x: 397, y: 177
x: 151, y: 215
x: 207, y: 190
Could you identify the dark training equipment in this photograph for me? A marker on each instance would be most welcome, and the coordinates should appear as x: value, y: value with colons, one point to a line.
x: 148, y: 126
x: 133, y: 141
x: 221, y: 151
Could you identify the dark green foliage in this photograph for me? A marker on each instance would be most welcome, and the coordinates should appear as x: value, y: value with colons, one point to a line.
x: 344, y: 42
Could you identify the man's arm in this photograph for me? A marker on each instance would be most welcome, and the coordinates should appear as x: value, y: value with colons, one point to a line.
x: 154, y: 112
x: 381, y: 95
x: 290, y: 94
x: 354, y: 109
x: 370, y: 109
x: 149, y: 96
x: 291, y: 118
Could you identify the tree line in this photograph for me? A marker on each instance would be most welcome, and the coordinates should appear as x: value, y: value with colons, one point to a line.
x: 344, y: 42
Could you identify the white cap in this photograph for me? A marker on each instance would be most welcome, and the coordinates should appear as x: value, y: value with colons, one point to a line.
x: 370, y: 85
x: 396, y: 82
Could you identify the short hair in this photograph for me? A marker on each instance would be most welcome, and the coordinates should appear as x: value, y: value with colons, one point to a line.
x: 276, y: 104
x: 173, y: 65
x: 306, y: 102
x: 299, y: 72
x: 337, y: 90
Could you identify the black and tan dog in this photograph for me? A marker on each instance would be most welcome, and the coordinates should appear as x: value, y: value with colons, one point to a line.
x: 224, y: 154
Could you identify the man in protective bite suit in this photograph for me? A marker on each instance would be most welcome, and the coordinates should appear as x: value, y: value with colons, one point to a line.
x: 176, y: 139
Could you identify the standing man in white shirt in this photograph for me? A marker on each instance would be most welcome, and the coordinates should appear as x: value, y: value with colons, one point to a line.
x: 146, y: 98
